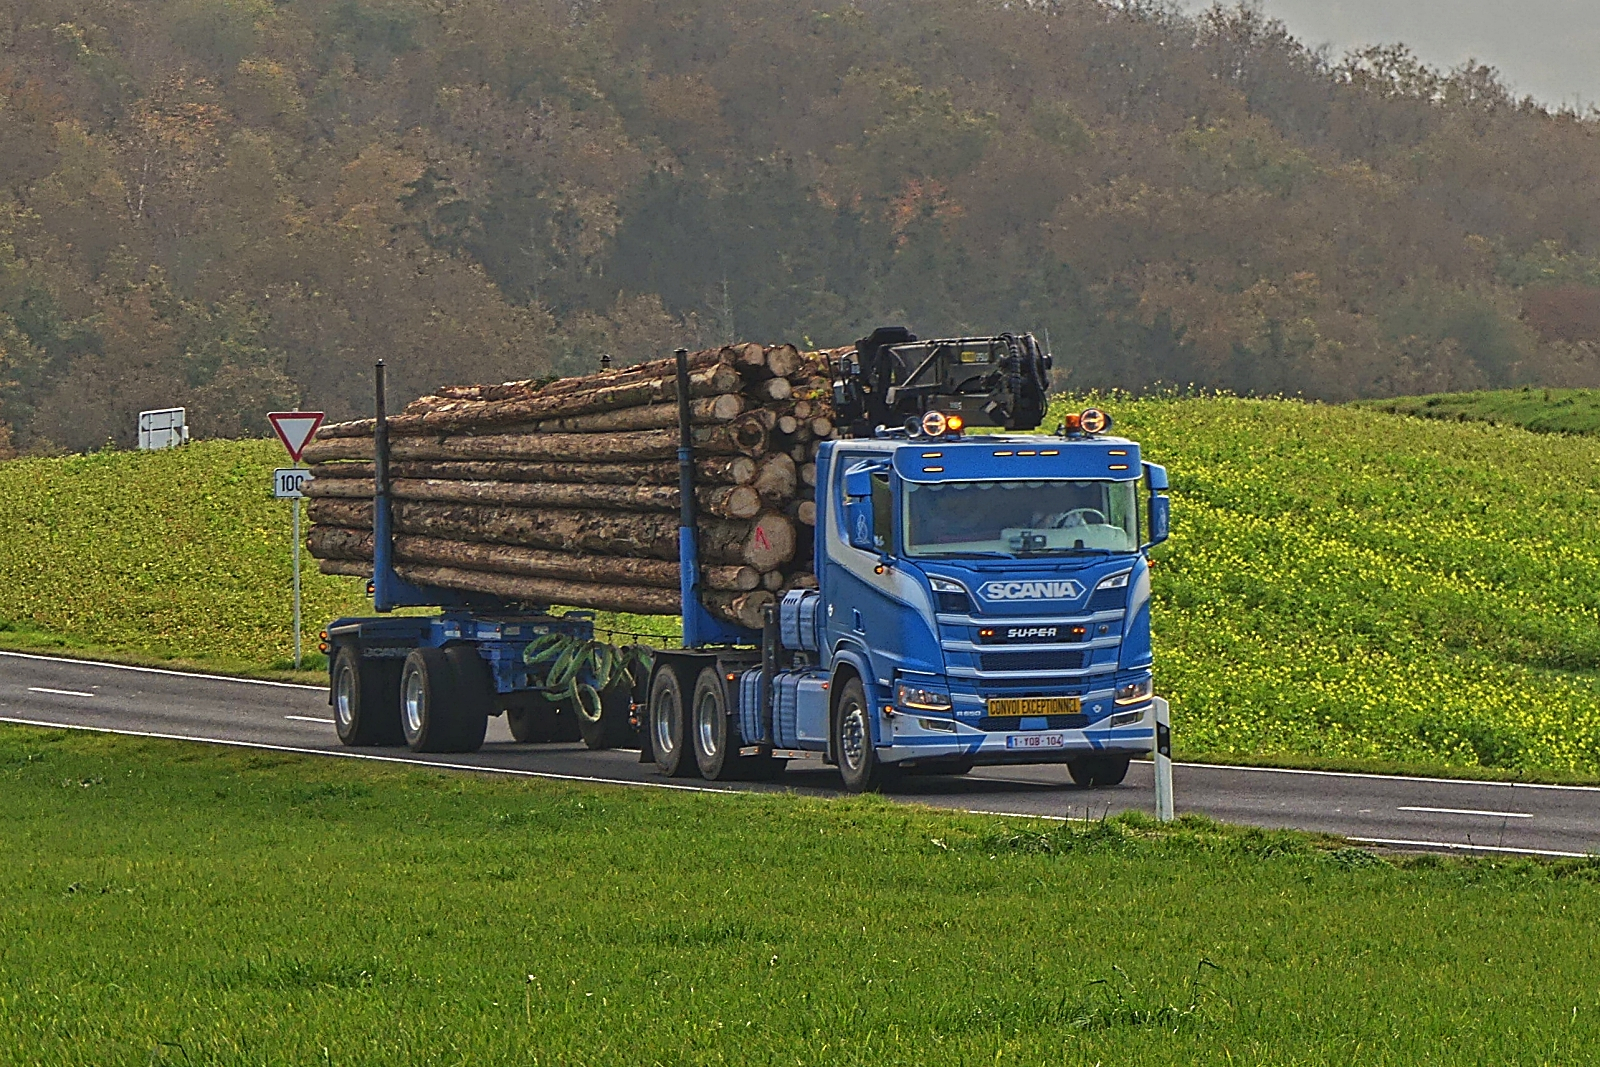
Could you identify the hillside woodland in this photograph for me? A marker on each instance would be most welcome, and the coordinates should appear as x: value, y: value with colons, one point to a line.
x: 236, y: 205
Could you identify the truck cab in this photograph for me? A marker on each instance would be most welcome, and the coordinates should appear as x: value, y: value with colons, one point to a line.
x: 982, y: 600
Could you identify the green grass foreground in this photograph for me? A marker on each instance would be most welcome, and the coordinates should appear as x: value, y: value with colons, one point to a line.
x: 1539, y: 410
x: 183, y: 904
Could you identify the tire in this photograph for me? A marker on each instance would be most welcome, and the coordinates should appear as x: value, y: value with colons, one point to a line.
x: 613, y: 730
x: 473, y: 701
x: 715, y: 741
x: 1099, y: 772
x: 532, y: 719
x: 427, y: 694
x: 366, y: 698
x: 669, y: 732
x: 859, y: 765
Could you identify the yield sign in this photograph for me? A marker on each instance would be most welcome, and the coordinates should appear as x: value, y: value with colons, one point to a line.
x: 294, y: 429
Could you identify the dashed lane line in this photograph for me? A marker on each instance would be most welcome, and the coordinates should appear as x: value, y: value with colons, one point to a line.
x: 1471, y: 811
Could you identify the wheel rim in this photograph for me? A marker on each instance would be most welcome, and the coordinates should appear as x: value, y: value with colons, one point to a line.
x: 666, y: 722
x: 853, y: 737
x: 344, y: 696
x: 705, y: 720
x: 415, y: 703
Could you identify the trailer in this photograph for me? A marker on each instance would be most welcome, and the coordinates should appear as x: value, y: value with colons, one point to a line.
x: 982, y: 599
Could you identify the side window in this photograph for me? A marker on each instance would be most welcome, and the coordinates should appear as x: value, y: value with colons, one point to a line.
x: 882, y: 512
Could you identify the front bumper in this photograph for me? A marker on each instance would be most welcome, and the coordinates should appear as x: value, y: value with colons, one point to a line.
x: 912, y: 735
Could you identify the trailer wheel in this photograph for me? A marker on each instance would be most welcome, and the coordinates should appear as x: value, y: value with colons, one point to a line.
x: 427, y: 693
x: 859, y: 765
x: 365, y: 698
x: 669, y: 734
x: 613, y: 730
x: 532, y: 719
x: 1099, y: 772
x: 472, y: 699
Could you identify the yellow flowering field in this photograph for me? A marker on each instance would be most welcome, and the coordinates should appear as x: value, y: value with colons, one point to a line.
x: 1343, y: 583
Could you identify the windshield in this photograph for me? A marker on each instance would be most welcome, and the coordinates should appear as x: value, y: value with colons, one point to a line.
x: 1049, y: 518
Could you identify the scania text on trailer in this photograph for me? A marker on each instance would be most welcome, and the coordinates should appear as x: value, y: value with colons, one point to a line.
x: 982, y: 599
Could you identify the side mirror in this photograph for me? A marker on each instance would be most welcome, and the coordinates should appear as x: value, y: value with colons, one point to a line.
x: 858, y: 515
x: 1160, y: 518
x: 858, y: 481
x: 1155, y: 477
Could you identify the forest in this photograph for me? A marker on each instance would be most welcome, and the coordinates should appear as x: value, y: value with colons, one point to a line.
x: 237, y: 205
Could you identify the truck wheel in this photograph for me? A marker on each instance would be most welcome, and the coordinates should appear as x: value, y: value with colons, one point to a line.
x: 859, y: 765
x: 716, y: 749
x: 472, y: 700
x: 613, y: 730
x: 427, y: 691
x: 366, y: 698
x: 1098, y: 772
x: 669, y: 734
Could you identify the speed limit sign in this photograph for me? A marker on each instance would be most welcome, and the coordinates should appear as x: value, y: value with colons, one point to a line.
x: 289, y: 483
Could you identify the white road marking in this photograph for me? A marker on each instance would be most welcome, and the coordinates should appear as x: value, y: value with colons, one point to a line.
x: 370, y: 756
x: 158, y: 670
x: 1456, y: 846
x: 309, y: 718
x: 1471, y: 811
x: 59, y: 692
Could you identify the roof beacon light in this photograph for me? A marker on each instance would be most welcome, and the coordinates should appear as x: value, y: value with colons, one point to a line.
x: 934, y: 424
x: 1094, y: 421
x: 955, y: 423
x: 1071, y: 425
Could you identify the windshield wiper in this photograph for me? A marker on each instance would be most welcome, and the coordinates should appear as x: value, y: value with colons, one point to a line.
x: 1079, y: 552
x: 963, y: 555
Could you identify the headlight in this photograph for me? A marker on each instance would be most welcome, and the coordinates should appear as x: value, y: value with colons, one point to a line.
x: 945, y: 585
x: 1134, y: 692
x: 1116, y: 581
x: 909, y: 696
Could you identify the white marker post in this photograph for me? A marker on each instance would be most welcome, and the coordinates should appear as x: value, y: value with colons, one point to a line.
x: 294, y: 429
x: 1163, y: 761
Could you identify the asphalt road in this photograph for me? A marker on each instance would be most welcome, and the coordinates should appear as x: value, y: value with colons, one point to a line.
x: 1413, y: 813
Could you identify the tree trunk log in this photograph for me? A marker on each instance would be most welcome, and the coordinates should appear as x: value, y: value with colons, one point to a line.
x: 641, y: 600
x: 350, y: 567
x: 720, y: 470
x: 743, y: 608
x: 744, y: 436
x: 765, y: 543
x: 709, y: 410
x: 775, y: 480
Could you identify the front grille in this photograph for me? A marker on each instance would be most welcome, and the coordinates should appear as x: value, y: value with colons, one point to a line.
x: 1070, y: 687
x: 1051, y: 660
x: 993, y: 724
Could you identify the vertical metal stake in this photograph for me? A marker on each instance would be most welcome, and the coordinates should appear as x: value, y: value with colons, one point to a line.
x: 1163, y: 761
x: 296, y: 553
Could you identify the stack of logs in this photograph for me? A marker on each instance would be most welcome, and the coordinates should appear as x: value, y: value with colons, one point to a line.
x: 566, y: 491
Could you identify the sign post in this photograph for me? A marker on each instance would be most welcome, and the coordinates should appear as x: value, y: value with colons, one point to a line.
x: 1163, y: 761
x: 294, y: 429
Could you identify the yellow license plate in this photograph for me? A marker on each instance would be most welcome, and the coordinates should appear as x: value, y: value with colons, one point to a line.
x: 1018, y: 707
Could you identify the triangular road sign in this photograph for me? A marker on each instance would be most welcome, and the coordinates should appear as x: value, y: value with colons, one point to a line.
x: 294, y: 429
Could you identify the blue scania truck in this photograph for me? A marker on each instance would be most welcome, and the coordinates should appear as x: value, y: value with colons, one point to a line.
x: 981, y: 599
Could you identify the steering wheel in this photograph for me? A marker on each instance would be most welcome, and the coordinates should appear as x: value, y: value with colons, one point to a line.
x: 1083, y: 518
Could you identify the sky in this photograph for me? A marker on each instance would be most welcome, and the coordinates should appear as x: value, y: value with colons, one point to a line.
x: 1547, y: 49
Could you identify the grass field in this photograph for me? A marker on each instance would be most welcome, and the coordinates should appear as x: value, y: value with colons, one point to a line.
x: 1350, y: 585
x: 1540, y: 410
x: 184, y: 904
